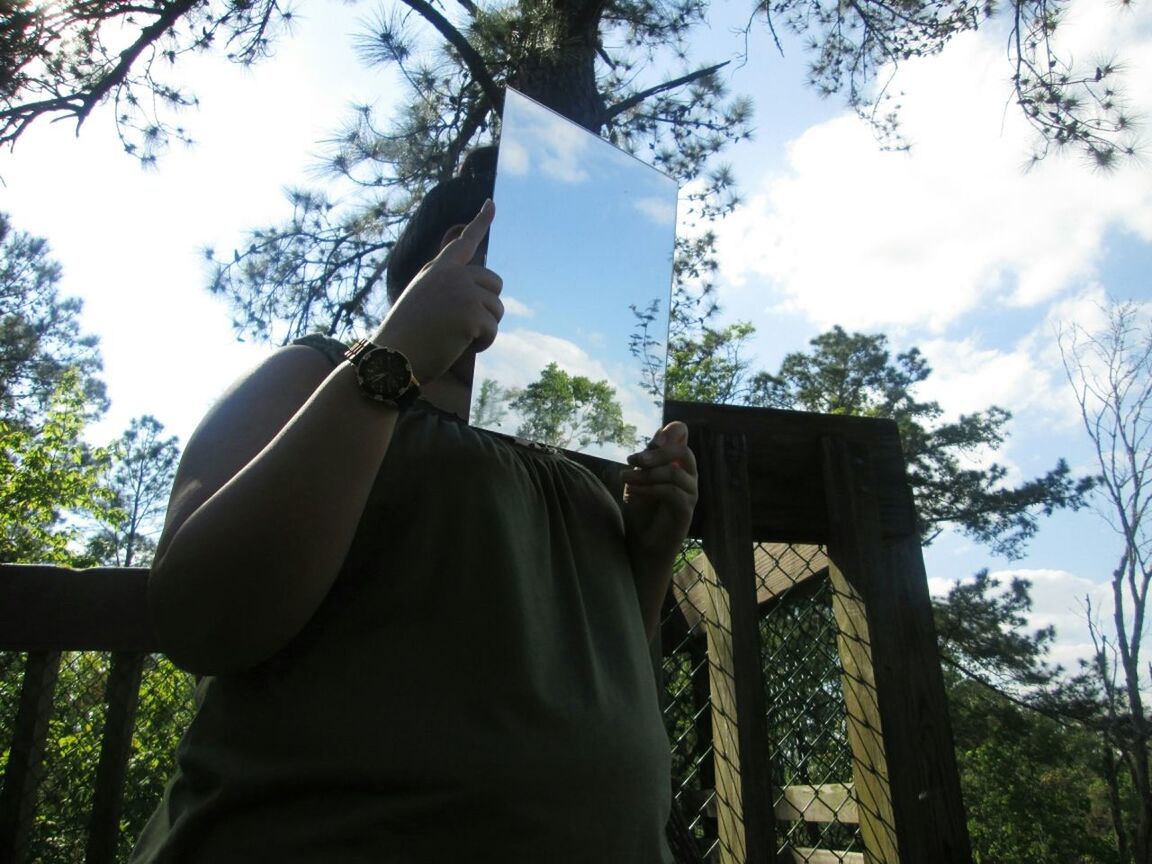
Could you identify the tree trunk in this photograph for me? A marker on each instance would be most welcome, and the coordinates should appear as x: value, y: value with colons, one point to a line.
x: 563, y: 77
x: 1112, y: 779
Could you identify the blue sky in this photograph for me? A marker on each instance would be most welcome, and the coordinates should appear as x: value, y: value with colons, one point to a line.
x: 951, y: 247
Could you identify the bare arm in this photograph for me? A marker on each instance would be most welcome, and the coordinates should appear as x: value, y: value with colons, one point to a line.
x: 659, y: 498
x: 273, y: 482
x: 265, y: 503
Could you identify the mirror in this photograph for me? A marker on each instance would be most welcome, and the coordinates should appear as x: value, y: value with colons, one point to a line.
x: 583, y: 238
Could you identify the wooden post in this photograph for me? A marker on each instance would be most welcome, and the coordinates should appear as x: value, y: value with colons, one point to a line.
x: 725, y: 729
x: 122, y: 696
x: 743, y: 780
x: 906, y: 777
x: 26, y: 758
x: 865, y: 736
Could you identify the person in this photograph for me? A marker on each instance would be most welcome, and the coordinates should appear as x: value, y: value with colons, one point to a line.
x: 417, y: 641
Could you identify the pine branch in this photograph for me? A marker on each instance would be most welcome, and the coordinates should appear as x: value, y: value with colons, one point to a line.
x: 635, y: 99
x: 468, y: 54
x: 131, y: 54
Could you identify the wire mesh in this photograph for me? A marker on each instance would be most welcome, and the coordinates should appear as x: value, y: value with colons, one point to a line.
x: 72, y: 748
x: 809, y: 753
x: 687, y: 701
x: 813, y: 795
x: 71, y: 754
x: 167, y: 703
x: 11, y: 676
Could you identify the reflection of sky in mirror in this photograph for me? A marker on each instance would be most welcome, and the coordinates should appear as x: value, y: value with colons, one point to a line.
x: 583, y: 231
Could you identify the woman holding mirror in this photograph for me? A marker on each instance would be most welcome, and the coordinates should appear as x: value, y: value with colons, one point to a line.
x: 419, y: 641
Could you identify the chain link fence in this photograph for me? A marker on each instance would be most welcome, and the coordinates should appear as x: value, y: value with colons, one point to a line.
x: 72, y: 749
x: 814, y: 806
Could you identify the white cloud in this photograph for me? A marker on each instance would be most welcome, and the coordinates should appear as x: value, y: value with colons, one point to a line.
x: 873, y: 240
x: 543, y: 141
x: 662, y: 211
x: 516, y: 308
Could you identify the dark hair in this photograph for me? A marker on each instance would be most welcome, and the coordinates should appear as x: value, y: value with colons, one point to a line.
x: 455, y: 201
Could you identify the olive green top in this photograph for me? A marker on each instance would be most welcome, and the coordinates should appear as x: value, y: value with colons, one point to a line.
x: 475, y: 687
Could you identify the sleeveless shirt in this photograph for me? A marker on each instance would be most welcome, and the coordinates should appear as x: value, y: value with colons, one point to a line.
x: 475, y: 687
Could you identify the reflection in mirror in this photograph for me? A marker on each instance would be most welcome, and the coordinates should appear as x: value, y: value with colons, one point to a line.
x: 583, y: 238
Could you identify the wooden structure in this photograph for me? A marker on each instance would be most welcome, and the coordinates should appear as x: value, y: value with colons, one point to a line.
x: 766, y: 477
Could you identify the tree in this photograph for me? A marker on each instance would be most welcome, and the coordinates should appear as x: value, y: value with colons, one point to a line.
x: 46, y: 473
x: 565, y: 410
x: 40, y: 335
x: 1027, y: 749
x: 1110, y: 372
x: 143, y: 466
x: 856, y: 374
x: 619, y: 68
x: 61, y: 60
x: 48, y: 392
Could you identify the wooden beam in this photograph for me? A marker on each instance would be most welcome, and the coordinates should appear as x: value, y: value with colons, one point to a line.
x: 806, y: 855
x: 829, y: 802
x: 727, y: 540
x: 785, y: 460
x: 121, y: 697
x: 780, y: 567
x: 863, y: 719
x: 26, y: 756
x: 56, y: 609
x: 728, y: 801
x: 906, y: 779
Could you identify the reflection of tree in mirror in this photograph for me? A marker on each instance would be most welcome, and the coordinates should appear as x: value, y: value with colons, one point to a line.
x: 491, y: 405
x: 570, y: 410
x: 648, y: 350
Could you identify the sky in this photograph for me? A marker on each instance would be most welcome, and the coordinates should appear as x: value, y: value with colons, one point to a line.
x: 952, y: 247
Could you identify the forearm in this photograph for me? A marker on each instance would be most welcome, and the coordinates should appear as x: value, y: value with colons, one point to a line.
x: 249, y: 566
x: 652, y: 575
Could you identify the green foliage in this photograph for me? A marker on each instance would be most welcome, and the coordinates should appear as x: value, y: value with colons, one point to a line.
x: 143, y: 467
x: 46, y: 472
x: 40, y: 338
x: 981, y: 629
x: 1030, y: 766
x: 854, y: 373
x: 73, y: 743
x: 491, y: 405
x: 566, y: 410
x: 1031, y: 785
x: 707, y: 366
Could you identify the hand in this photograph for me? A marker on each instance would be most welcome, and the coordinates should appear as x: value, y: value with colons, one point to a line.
x: 452, y: 305
x: 660, y: 493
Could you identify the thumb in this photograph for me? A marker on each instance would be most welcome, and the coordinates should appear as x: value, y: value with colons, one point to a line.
x: 675, y: 432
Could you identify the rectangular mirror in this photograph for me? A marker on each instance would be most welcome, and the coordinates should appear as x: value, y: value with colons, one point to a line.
x: 583, y: 239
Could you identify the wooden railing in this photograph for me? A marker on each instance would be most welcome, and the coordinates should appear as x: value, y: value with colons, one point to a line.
x: 766, y: 476
x: 45, y: 611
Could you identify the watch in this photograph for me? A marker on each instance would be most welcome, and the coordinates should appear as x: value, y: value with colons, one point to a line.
x: 384, y: 374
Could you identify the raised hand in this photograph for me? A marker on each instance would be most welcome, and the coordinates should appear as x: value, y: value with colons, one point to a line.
x: 660, y: 495
x: 452, y: 305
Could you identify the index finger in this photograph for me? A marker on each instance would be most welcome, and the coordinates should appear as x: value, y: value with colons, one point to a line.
x: 463, y: 248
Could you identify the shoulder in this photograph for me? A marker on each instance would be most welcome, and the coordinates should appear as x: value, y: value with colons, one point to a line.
x: 250, y: 413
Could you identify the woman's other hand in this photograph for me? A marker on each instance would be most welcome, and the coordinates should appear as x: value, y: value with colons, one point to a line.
x: 660, y: 492
x: 452, y: 305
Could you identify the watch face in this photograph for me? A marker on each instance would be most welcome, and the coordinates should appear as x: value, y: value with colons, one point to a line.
x: 385, y: 374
